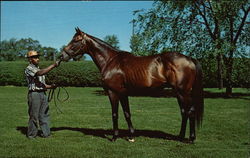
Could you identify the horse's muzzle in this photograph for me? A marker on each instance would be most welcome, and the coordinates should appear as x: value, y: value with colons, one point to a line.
x: 64, y: 56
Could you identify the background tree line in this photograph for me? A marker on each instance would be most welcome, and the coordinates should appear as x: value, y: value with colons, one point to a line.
x: 13, y: 49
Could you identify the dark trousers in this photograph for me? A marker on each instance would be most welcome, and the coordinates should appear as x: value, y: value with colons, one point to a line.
x: 38, y: 114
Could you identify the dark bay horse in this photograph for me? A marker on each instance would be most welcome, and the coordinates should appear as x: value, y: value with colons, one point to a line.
x: 123, y: 74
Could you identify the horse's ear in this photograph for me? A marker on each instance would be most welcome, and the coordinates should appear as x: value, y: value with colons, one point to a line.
x: 78, y: 30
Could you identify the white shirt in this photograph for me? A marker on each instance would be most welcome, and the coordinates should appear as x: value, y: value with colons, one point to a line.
x: 35, y: 83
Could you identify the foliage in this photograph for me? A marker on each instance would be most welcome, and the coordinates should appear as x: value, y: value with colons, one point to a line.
x: 136, y: 42
x: 79, y: 74
x: 112, y: 40
x: 12, y: 73
x: 48, y: 53
x: 241, y: 73
x: 197, y: 28
x: 185, y: 26
x: 84, y: 128
x: 209, y: 71
x: 14, y: 49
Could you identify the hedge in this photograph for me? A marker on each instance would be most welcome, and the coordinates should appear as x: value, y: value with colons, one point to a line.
x: 78, y: 74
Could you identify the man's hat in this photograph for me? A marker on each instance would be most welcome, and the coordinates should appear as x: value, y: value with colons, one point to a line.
x: 32, y: 53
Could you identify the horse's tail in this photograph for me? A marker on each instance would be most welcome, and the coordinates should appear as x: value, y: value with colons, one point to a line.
x: 197, y: 95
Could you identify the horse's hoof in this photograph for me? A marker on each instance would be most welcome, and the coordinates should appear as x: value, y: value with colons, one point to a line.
x: 132, y: 140
x: 181, y: 138
x: 114, y: 139
x: 191, y: 140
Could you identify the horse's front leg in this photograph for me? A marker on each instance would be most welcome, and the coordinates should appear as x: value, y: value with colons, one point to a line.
x: 187, y: 112
x: 127, y: 114
x: 114, y: 100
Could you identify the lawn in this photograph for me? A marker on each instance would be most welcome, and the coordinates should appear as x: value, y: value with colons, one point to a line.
x: 84, y: 128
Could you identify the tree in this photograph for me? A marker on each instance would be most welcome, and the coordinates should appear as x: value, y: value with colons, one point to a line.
x: 198, y: 28
x: 135, y: 45
x: 49, y: 53
x: 8, y: 49
x: 26, y: 44
x: 112, y: 40
x: 16, y: 49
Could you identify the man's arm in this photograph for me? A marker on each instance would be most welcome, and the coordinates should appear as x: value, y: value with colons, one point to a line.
x: 48, y: 69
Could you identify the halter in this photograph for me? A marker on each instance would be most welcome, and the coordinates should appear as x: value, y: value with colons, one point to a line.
x: 71, y: 55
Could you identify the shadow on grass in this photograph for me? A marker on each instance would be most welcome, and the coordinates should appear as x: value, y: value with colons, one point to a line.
x: 107, y: 134
x: 168, y: 93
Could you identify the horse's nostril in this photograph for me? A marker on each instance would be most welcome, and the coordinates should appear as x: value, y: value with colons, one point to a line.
x: 60, y: 57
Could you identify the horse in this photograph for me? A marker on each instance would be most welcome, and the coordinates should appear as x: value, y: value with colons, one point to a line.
x: 123, y: 73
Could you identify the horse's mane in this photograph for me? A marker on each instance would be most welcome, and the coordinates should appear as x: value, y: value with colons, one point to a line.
x: 99, y: 41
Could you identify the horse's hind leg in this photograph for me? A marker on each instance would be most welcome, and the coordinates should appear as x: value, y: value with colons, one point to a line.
x: 184, y: 116
x: 187, y: 112
x: 127, y: 114
x: 114, y: 100
x: 191, y: 114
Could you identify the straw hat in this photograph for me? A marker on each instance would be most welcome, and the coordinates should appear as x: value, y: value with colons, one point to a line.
x: 32, y: 53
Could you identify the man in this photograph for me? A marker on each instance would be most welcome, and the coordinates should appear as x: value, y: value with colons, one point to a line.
x: 37, y: 99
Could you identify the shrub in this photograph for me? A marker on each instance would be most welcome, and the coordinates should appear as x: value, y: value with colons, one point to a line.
x: 12, y: 73
x: 79, y: 74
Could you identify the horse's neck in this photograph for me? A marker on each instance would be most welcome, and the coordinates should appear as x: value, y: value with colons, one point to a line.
x: 99, y: 53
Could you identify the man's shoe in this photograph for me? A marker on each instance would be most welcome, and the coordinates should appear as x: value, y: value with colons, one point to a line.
x: 31, y: 137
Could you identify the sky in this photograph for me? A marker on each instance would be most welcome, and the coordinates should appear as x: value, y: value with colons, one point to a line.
x: 53, y: 23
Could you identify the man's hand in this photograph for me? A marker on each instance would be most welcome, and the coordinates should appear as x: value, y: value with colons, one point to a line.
x: 53, y: 86
x: 57, y: 63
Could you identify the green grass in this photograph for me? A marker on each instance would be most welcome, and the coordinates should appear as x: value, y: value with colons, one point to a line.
x: 84, y: 128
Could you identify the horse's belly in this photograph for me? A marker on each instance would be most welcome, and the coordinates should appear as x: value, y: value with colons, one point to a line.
x: 146, y: 79
x: 146, y: 83
x: 143, y: 91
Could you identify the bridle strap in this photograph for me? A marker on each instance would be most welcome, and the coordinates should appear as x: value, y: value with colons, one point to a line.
x: 83, y: 42
x: 68, y: 53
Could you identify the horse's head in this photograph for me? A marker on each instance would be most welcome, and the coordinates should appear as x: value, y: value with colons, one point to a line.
x: 76, y: 46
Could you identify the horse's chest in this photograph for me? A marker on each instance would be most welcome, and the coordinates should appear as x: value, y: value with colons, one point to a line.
x: 113, y: 77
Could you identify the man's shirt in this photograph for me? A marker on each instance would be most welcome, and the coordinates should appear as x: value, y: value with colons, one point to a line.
x: 35, y: 83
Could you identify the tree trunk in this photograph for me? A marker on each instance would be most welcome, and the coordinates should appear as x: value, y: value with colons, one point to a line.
x: 229, y: 71
x: 229, y: 80
x: 219, y: 71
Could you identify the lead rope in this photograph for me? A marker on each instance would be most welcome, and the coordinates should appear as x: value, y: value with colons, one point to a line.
x: 56, y: 98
